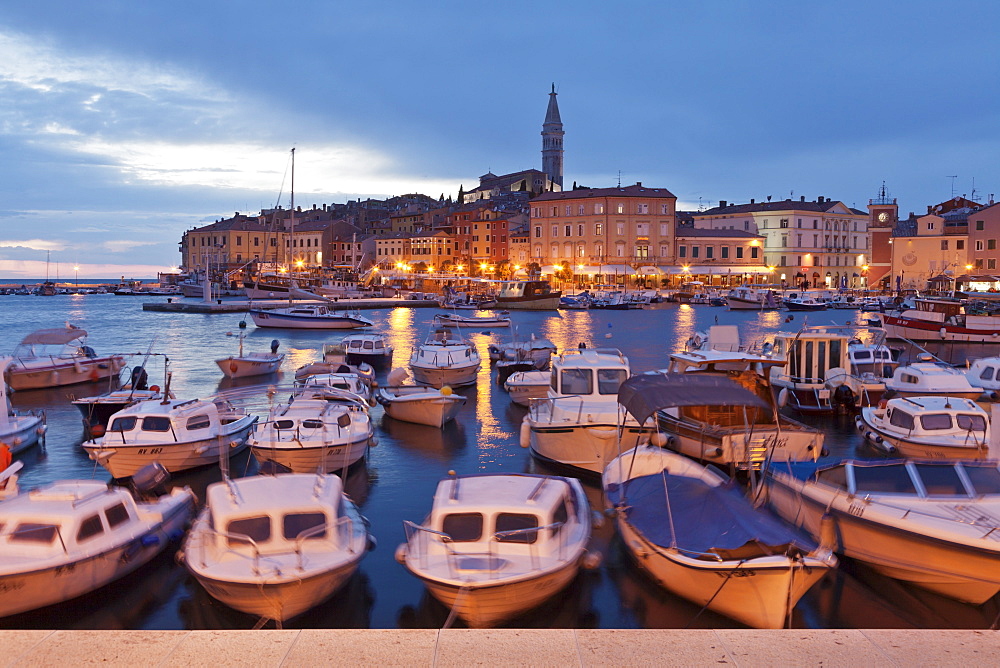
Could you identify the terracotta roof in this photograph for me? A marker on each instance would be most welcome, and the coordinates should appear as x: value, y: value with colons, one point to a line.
x: 705, y: 232
x: 636, y: 190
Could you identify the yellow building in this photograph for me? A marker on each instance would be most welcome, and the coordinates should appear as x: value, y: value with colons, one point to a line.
x: 925, y: 247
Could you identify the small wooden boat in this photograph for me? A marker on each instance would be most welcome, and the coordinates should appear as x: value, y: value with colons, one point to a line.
x: 57, y: 357
x: 243, y: 364
x: 445, y: 358
x: 72, y: 537
x: 455, y: 320
x: 276, y: 545
x: 307, y: 435
x: 927, y: 428
x: 18, y: 430
x: 935, y: 524
x: 495, y: 546
x: 418, y: 404
x: 335, y: 361
x: 180, y: 435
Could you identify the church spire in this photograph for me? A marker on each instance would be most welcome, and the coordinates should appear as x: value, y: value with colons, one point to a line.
x: 552, y: 141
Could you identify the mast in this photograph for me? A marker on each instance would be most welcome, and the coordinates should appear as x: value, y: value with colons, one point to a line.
x: 292, y: 239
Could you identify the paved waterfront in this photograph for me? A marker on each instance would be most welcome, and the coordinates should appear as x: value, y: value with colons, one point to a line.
x: 510, y: 647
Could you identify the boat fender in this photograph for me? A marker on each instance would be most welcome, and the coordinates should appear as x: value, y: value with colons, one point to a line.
x: 869, y: 436
x: 592, y: 560
x: 943, y: 332
x: 828, y: 533
x: 783, y: 397
x: 824, y: 452
x: 400, y: 554
x: 879, y: 439
x: 371, y: 543
x: 525, y: 433
x: 445, y: 391
x: 179, y: 557
x: 371, y: 401
x: 718, y: 452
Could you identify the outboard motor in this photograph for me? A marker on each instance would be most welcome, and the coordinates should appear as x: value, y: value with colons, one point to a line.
x: 150, y: 481
x: 843, y: 398
x: 274, y: 345
x: 88, y: 351
x: 139, y: 378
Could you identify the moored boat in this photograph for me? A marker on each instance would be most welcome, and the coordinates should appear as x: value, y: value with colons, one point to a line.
x: 925, y: 378
x: 933, y: 524
x: 243, y: 364
x: 72, y: 537
x: 445, y: 358
x: 57, y: 357
x: 417, y: 403
x: 372, y: 349
x: 308, y: 317
x: 528, y: 295
x: 750, y: 298
x: 18, y: 430
x: 943, y: 319
x: 455, y: 320
x: 335, y: 360
x: 495, y: 546
x: 927, y: 428
x: 276, y: 545
x: 523, y: 386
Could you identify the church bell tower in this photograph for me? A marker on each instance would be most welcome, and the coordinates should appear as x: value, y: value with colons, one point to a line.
x: 552, y: 141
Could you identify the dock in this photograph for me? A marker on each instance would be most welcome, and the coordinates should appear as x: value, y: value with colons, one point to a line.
x: 502, y: 647
x: 181, y: 305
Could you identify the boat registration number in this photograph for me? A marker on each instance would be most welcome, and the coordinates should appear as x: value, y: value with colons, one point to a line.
x: 149, y: 451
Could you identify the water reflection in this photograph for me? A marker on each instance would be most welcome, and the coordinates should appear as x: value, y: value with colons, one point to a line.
x: 429, y: 442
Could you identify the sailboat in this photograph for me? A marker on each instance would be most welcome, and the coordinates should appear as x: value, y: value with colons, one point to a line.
x: 48, y: 288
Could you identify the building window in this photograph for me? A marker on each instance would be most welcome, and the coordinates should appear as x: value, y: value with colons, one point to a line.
x: 620, y: 250
x: 579, y: 210
x: 979, y: 226
x: 944, y: 244
x: 665, y: 209
x: 555, y: 231
x: 620, y: 208
x: 991, y: 244
x: 695, y: 251
x: 569, y: 230
x: 664, y: 250
x: 581, y: 250
x: 642, y: 251
x: 599, y: 208
x: 538, y: 231
x: 682, y: 251
x: 979, y: 244
x: 724, y: 253
x: 739, y: 252
x: 815, y: 224
x: 642, y: 229
x: 782, y: 263
x: 664, y: 229
x: 754, y: 252
x: 579, y: 230
x: 555, y: 251
x: 621, y: 229
x: 959, y: 244
x: 991, y: 263
x: 642, y: 209
x: 555, y: 211
x: 765, y: 223
x: 569, y: 209
x: 784, y: 241
x: 599, y: 229
x: 979, y: 263
x: 783, y: 223
x: 709, y: 252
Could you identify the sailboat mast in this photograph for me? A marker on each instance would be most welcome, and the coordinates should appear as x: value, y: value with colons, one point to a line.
x: 292, y: 240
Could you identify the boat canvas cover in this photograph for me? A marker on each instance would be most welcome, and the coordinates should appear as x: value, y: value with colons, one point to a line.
x: 706, y: 519
x: 54, y: 337
x: 645, y: 394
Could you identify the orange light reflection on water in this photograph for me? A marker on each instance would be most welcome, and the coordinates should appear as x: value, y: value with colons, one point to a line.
x: 684, y: 329
x: 570, y: 329
x: 401, y: 335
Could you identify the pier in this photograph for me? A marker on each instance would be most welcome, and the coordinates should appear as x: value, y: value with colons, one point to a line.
x: 506, y: 647
x: 180, y: 305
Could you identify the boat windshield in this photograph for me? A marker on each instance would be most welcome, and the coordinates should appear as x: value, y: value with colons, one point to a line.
x: 609, y: 380
x: 123, y: 424
x: 882, y: 479
x: 517, y: 522
x: 971, y: 422
x: 935, y: 421
x: 578, y: 381
x: 257, y: 529
x: 463, y: 527
x: 295, y: 524
x: 941, y: 480
x: 985, y: 477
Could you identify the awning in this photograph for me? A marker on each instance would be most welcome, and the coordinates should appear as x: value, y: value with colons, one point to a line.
x: 616, y: 269
x: 645, y: 394
x: 716, y: 270
x: 54, y: 337
x: 649, y: 271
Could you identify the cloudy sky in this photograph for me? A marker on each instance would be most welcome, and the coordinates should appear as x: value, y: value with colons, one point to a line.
x: 124, y: 123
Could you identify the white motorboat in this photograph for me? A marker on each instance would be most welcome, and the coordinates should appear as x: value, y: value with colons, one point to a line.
x: 308, y: 317
x: 18, y: 429
x: 804, y: 304
x: 528, y: 296
x: 699, y: 537
x: 470, y: 321
x: 495, y: 546
x: 372, y: 349
x: 57, y: 357
x: 180, y: 435
x: 538, y: 351
x: 72, y: 537
x: 335, y: 361
x: 523, y: 386
x: 985, y: 373
x: 737, y: 435
x: 417, y: 403
x: 933, y: 524
x: 317, y: 386
x: 927, y: 428
x: 98, y: 409
x: 276, y: 545
x: 309, y: 435
x: 926, y: 379
x: 243, y: 364
x: 577, y: 424
x: 750, y: 298
x: 940, y: 319
x: 445, y: 358
x: 725, y: 338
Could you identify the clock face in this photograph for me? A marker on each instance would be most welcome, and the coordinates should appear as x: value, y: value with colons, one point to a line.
x: 882, y: 217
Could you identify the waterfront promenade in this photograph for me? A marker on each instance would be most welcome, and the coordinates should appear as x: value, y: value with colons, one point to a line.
x: 503, y: 647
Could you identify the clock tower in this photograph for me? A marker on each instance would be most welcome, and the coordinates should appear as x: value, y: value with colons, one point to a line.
x: 883, y: 213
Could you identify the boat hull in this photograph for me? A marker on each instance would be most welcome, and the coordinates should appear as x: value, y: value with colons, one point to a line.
x: 737, y: 304
x: 123, y: 460
x: 760, y: 594
x: 309, y: 458
x: 951, y: 569
x: 33, y: 376
x: 920, y: 330
x: 453, y: 377
x: 242, y: 367
x: 585, y: 447
x: 549, y: 302
x: 727, y: 447
x: 285, y: 321
x: 24, y: 432
x: 66, y: 581
x: 431, y: 411
x: 890, y: 443
x: 485, y: 606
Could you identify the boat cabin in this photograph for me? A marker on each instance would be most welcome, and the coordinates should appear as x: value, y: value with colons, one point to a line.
x: 921, y: 479
x: 251, y: 519
x: 314, y: 386
x: 510, y: 289
x: 809, y: 354
x: 482, y: 510
x: 930, y: 417
x: 588, y: 372
x: 64, y: 517
x: 985, y: 373
x: 365, y: 344
x: 169, y: 420
x: 877, y: 360
x: 928, y: 378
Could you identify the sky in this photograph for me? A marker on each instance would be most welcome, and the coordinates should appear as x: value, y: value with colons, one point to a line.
x: 123, y: 123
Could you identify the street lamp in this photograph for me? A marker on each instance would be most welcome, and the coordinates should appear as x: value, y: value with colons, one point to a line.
x: 76, y: 269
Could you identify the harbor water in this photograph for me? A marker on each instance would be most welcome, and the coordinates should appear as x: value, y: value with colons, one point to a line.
x: 399, y: 478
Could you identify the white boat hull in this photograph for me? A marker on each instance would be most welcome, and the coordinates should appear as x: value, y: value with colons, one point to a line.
x: 51, y: 584
x: 310, y: 459
x: 975, y: 447
x: 433, y: 411
x: 588, y: 447
x: 35, y: 376
x: 123, y: 460
x: 23, y: 432
x: 439, y: 377
x: 274, y: 319
x: 894, y: 547
x: 487, y: 605
x: 737, y: 304
x: 760, y: 594
x: 242, y: 367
